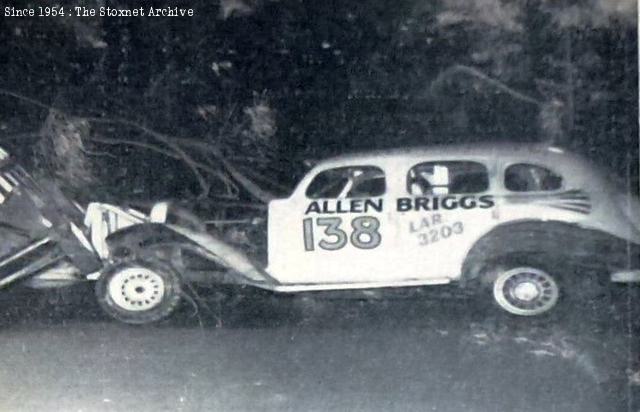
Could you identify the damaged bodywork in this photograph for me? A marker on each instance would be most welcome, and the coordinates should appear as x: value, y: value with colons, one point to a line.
x: 528, y: 226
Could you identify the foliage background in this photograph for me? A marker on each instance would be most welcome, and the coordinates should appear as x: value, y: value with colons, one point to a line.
x: 266, y: 84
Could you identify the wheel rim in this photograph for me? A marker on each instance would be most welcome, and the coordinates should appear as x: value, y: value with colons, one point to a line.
x: 526, y: 291
x: 136, y: 289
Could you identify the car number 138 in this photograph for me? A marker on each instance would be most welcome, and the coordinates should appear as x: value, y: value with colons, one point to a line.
x: 364, y: 233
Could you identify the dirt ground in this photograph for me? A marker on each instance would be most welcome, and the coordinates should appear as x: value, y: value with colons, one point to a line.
x: 282, y: 354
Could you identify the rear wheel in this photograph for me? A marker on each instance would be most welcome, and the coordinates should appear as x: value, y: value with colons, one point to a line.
x: 526, y: 291
x: 139, y: 292
x: 526, y: 285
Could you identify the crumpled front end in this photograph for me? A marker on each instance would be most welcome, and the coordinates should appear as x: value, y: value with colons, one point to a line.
x: 228, y: 256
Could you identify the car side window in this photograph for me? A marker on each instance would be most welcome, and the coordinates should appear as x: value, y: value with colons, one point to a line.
x: 447, y: 177
x: 525, y: 177
x: 346, y: 182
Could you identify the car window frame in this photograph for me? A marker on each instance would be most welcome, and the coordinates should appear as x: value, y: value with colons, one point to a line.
x: 311, y: 179
x: 486, y: 163
x: 503, y: 174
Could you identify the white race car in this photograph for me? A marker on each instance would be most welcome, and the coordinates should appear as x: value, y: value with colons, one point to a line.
x: 522, y: 220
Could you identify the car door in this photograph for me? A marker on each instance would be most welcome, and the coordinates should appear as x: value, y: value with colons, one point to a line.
x: 333, y: 229
x: 447, y: 206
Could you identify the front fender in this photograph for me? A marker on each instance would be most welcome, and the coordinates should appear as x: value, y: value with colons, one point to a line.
x: 135, y: 240
x: 138, y: 240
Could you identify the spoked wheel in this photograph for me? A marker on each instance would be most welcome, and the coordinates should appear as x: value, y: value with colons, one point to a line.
x: 139, y: 292
x: 526, y: 291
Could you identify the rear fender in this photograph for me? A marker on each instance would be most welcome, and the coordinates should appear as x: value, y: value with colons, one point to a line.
x: 563, y: 242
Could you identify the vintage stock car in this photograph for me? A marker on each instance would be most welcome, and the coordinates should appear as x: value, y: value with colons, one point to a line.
x: 528, y: 223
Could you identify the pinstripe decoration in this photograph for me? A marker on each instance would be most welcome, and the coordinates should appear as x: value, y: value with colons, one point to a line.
x: 571, y: 200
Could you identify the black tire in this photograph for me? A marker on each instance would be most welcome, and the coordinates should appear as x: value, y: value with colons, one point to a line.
x: 139, y: 292
x: 522, y: 286
x: 559, y: 287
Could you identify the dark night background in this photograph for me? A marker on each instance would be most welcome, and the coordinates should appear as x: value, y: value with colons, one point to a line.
x: 225, y: 108
x: 328, y: 77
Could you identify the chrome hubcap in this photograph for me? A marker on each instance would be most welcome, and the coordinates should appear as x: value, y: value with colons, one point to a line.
x: 526, y: 291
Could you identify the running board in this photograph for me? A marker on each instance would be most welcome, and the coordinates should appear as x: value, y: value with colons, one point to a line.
x: 310, y: 287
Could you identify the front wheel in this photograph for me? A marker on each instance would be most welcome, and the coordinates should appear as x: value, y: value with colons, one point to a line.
x: 139, y: 292
x: 526, y: 291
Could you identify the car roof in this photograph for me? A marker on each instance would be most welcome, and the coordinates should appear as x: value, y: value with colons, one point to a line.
x: 477, y: 150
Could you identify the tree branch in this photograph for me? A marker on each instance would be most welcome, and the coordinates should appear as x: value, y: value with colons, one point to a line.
x: 26, y: 99
x: 22, y: 136
x: 167, y: 140
x: 165, y: 152
x: 255, y: 190
x: 473, y: 72
x: 261, y: 178
x: 174, y: 143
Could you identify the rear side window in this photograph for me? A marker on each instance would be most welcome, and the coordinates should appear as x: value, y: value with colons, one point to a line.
x: 447, y: 177
x: 352, y: 181
x: 525, y: 177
